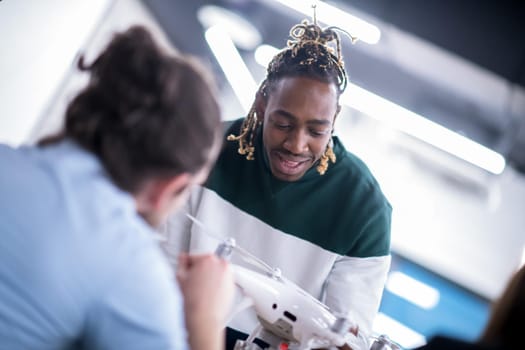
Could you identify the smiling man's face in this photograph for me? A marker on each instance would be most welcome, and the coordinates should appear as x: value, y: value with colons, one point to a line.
x: 299, y: 115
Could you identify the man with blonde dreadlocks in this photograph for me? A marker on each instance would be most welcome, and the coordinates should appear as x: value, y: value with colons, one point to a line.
x: 287, y: 190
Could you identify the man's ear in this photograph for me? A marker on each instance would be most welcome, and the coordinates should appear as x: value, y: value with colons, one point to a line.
x: 260, y: 105
x: 157, y: 194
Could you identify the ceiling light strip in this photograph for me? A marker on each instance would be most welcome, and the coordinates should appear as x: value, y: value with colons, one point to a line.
x: 232, y: 64
x: 422, y: 128
x: 412, y: 290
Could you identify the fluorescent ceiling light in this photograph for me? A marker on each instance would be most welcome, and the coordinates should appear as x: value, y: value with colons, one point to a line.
x: 398, y: 332
x: 232, y: 64
x: 412, y: 290
x: 333, y: 16
x: 242, y: 32
x: 422, y: 128
x: 523, y: 257
x: 410, y: 123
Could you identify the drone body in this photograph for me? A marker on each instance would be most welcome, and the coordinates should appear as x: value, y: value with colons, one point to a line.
x: 287, y: 311
x: 287, y: 314
x: 289, y: 317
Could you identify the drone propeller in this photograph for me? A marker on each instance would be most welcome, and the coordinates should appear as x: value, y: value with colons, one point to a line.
x: 256, y: 262
x: 229, y: 245
x: 204, y: 227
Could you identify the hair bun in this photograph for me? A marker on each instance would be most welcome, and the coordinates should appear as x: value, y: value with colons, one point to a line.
x: 128, y: 68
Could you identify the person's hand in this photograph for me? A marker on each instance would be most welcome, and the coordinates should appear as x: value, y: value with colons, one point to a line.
x: 353, y: 330
x: 206, y: 282
x: 356, y: 341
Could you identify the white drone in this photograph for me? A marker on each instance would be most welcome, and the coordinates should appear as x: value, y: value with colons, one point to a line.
x: 289, y: 317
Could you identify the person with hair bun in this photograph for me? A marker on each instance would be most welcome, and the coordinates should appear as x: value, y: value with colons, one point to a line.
x: 286, y: 189
x: 80, y: 260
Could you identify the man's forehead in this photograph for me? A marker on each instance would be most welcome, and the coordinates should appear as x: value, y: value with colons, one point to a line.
x: 317, y: 119
x: 303, y: 82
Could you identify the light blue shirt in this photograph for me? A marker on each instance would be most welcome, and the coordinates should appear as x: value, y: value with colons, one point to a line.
x: 78, y: 266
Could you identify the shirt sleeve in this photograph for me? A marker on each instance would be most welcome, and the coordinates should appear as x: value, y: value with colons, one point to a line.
x: 354, y: 287
x: 355, y: 284
x: 141, y: 309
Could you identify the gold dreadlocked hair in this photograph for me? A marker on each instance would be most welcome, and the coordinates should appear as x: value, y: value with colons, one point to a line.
x: 309, y: 53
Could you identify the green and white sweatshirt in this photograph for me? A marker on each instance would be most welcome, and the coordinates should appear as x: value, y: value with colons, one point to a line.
x: 329, y: 234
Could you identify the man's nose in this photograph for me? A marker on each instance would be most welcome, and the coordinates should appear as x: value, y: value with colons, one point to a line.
x: 296, y: 142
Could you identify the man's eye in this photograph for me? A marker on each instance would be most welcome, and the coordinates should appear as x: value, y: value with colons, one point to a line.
x: 317, y: 133
x: 282, y: 126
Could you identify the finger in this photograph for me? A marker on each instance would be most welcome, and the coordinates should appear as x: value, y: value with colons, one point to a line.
x: 203, y: 261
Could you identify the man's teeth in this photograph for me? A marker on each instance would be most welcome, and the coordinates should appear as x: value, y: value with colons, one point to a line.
x: 291, y: 163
